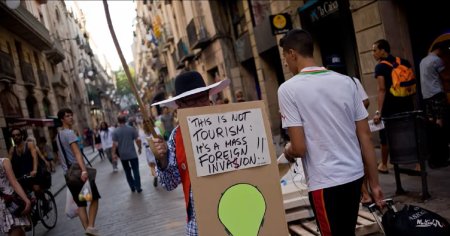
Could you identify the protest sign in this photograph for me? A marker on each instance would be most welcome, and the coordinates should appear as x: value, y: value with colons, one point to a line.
x: 233, y: 170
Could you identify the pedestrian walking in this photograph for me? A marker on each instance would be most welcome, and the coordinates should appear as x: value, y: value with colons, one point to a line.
x: 145, y: 136
x: 172, y: 169
x: 431, y: 80
x: 10, y: 223
x: 123, y: 138
x: 69, y: 153
x: 388, y: 102
x: 98, y: 143
x: 326, y: 123
x: 107, y: 143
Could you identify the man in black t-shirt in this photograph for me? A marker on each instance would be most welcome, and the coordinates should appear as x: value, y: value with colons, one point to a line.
x: 388, y: 104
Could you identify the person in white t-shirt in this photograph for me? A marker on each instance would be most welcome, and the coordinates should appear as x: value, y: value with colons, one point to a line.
x: 107, y: 143
x: 327, y: 123
x: 151, y: 161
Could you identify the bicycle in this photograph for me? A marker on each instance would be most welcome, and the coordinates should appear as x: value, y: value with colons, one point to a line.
x: 43, y: 208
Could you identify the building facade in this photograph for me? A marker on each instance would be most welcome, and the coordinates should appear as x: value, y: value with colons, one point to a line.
x: 43, y: 51
x: 233, y: 39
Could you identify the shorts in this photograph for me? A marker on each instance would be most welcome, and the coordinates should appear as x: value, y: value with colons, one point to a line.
x: 76, y: 188
x: 435, y: 106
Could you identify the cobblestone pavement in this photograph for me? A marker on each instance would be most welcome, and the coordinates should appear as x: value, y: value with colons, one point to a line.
x: 158, y: 212
x: 121, y: 212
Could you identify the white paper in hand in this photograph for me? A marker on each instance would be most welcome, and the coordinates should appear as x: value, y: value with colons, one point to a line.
x: 282, y: 159
x: 375, y: 127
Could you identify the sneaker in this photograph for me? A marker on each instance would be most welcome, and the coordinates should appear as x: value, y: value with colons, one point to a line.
x: 155, y: 182
x: 91, y: 231
x: 139, y: 190
x: 115, y: 169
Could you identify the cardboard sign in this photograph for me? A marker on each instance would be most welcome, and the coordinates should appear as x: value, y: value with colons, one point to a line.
x: 221, y: 141
x: 243, y: 197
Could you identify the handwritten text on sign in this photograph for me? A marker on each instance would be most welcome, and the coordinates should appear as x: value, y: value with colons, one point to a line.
x: 228, y: 141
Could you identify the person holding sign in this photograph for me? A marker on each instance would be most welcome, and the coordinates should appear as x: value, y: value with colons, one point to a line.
x: 172, y: 169
x: 327, y: 123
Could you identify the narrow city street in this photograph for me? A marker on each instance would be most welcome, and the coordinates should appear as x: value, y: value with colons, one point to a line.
x: 121, y: 212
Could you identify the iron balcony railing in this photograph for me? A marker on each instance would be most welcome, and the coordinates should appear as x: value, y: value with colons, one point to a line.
x: 197, y: 33
x: 184, y: 53
x: 27, y: 74
x: 43, y: 80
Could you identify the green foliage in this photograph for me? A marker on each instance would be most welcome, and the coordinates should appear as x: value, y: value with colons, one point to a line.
x: 123, y: 86
x: 123, y: 89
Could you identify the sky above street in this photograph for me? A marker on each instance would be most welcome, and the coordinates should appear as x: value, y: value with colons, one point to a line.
x: 123, y: 16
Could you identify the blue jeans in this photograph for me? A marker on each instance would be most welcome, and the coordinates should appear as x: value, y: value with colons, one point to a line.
x: 133, y: 180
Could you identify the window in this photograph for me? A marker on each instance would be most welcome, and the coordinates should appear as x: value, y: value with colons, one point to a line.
x: 238, y: 18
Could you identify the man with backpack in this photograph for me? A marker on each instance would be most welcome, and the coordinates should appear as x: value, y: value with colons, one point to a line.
x: 396, y: 89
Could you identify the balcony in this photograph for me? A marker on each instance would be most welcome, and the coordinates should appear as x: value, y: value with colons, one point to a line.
x: 197, y: 33
x: 43, y: 80
x: 243, y: 48
x: 27, y: 74
x: 21, y: 22
x: 184, y: 54
x: 7, y: 68
x: 168, y: 32
x: 178, y: 63
x: 59, y: 81
x: 56, y: 54
x: 161, y: 65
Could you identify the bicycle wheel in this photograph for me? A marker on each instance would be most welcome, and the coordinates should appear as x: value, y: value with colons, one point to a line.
x: 29, y: 230
x: 47, y: 210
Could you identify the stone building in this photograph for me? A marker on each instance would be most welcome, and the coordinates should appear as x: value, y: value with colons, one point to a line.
x: 43, y: 50
x: 233, y: 39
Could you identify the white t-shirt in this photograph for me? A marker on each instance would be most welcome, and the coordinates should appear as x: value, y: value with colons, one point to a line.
x: 362, y: 93
x: 106, y: 138
x: 148, y: 152
x: 326, y: 104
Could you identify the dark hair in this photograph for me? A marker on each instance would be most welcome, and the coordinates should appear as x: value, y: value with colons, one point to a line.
x: 63, y: 111
x: 121, y: 119
x: 105, y: 124
x: 383, y: 44
x: 22, y: 132
x: 300, y: 41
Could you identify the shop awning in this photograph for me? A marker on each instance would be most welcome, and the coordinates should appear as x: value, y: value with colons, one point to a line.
x: 29, y: 122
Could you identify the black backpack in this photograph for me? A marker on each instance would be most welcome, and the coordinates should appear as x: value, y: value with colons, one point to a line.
x: 414, y: 221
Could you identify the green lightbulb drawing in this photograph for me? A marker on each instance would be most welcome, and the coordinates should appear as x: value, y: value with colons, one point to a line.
x: 241, y: 210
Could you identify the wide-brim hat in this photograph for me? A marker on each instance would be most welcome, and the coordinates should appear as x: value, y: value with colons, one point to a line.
x: 440, y: 39
x: 190, y: 83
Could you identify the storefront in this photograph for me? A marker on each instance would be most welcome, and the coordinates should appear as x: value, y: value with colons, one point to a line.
x: 330, y: 23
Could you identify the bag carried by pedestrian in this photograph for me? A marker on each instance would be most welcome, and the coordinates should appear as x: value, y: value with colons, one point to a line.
x: 411, y: 220
x: 403, y: 79
x: 71, y: 209
x: 73, y: 176
x: 14, y: 204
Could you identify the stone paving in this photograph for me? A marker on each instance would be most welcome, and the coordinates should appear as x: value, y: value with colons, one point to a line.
x: 121, y: 212
x: 158, y: 212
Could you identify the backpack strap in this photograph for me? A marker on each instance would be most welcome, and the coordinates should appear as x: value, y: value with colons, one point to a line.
x: 387, y: 63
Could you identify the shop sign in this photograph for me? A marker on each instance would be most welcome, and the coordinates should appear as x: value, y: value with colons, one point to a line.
x: 280, y: 23
x: 323, y: 9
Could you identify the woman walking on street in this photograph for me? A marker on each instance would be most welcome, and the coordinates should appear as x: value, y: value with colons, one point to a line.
x: 11, y: 224
x: 106, y: 141
x: 98, y: 143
